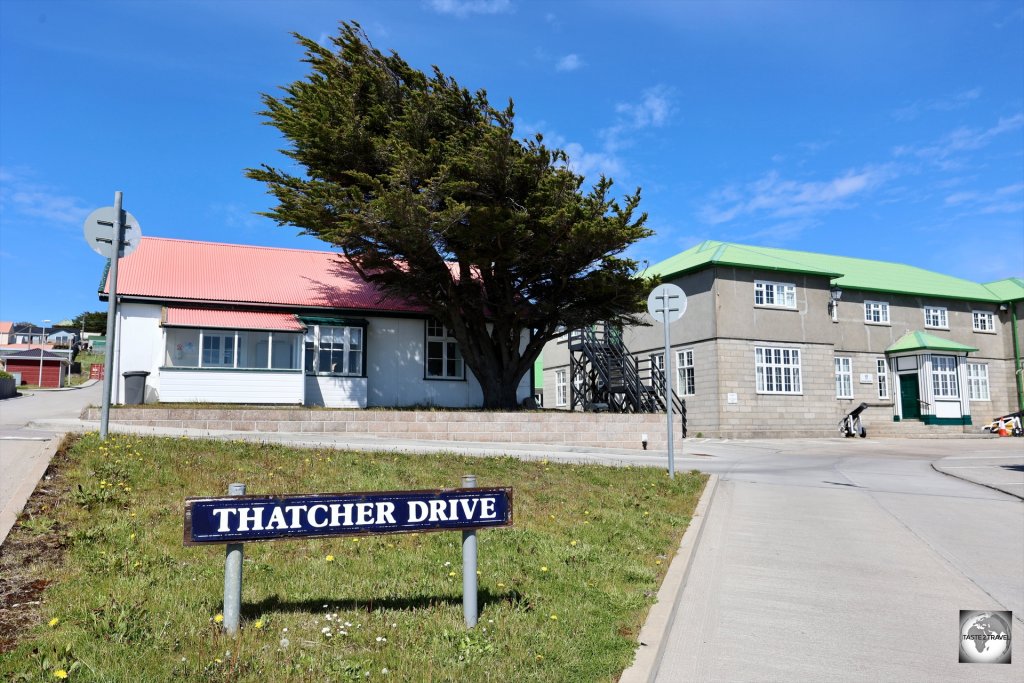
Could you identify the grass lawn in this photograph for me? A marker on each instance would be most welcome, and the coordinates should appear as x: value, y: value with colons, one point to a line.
x: 563, y: 593
x: 86, y: 359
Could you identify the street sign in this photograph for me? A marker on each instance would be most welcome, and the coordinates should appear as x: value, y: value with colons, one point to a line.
x: 667, y: 303
x: 234, y: 519
x: 99, y: 232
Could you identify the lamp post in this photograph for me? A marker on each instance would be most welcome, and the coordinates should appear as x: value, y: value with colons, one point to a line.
x: 41, y: 350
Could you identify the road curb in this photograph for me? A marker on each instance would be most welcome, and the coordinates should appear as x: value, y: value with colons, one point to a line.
x: 654, y: 634
x: 979, y: 483
x: 9, y: 515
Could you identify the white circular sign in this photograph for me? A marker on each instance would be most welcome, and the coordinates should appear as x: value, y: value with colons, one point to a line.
x: 99, y: 232
x: 667, y: 303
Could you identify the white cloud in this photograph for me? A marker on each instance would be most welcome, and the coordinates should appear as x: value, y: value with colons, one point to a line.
x: 959, y: 141
x: 653, y: 110
x: 463, y: 8
x: 776, y: 197
x: 958, y: 101
x: 20, y: 195
x: 1008, y: 199
x: 569, y: 63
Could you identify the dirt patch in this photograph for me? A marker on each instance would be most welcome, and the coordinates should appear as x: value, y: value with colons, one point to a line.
x: 32, y: 551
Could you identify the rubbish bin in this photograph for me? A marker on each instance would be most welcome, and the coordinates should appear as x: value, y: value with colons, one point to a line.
x: 135, y: 387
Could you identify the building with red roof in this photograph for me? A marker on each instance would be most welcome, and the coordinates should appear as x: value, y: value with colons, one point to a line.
x: 228, y: 323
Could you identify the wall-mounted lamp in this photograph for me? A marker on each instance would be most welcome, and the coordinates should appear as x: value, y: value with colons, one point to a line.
x: 643, y: 440
x: 835, y: 294
x: 1004, y: 307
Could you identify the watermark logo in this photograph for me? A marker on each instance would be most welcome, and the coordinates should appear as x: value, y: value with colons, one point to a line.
x: 985, y: 637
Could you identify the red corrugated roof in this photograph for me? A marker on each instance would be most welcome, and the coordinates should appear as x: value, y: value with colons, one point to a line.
x: 162, y: 268
x: 234, y: 320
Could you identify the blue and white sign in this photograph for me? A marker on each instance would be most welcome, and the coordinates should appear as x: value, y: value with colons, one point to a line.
x: 262, y: 518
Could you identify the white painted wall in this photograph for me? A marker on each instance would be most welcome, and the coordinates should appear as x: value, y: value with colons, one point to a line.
x: 231, y: 386
x: 335, y: 392
x: 395, y: 370
x: 140, y: 346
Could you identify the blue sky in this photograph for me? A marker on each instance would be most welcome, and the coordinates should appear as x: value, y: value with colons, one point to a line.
x: 885, y: 130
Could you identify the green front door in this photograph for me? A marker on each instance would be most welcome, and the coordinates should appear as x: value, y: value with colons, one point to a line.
x: 909, y: 397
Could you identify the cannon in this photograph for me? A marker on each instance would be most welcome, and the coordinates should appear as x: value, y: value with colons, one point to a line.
x: 851, y: 425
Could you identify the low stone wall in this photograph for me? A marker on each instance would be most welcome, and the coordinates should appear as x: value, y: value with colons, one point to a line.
x: 602, y: 430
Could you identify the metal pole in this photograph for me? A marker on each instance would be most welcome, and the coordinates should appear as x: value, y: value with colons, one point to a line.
x: 233, y: 576
x: 668, y: 392
x: 108, y: 362
x: 469, y: 587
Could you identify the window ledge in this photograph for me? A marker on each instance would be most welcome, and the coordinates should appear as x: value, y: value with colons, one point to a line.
x: 985, y: 331
x: 776, y: 308
x: 428, y: 378
x: 935, y: 327
x: 334, y: 374
x: 282, y: 371
x: 869, y: 322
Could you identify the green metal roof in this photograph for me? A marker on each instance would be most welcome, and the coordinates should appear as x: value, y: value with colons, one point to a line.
x: 918, y: 340
x: 843, y: 271
x: 1010, y: 289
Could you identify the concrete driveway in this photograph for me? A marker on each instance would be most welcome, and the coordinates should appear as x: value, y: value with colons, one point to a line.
x: 26, y: 452
x: 846, y: 561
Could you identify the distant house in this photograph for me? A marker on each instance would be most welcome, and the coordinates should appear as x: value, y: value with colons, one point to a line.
x: 62, y: 338
x: 228, y: 323
x: 39, y: 367
x: 784, y: 342
x: 5, y: 332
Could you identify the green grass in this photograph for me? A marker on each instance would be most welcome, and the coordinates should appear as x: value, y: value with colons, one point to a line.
x: 86, y: 359
x: 562, y: 593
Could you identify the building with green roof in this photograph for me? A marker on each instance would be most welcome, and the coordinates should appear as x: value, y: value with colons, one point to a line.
x: 778, y: 342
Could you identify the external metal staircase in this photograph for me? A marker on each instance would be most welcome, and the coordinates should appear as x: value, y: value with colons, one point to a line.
x: 606, y: 376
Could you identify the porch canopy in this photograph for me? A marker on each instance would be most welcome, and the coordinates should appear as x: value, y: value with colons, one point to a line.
x: 923, y: 341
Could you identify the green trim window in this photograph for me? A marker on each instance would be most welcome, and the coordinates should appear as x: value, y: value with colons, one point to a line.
x: 774, y: 294
x: 685, y: 378
x: 936, y: 316
x: 444, y: 359
x: 983, y: 321
x: 944, y: 384
x: 777, y: 370
x: 876, y: 312
x: 844, y: 377
x: 335, y: 350
x: 561, y: 388
x: 977, y: 382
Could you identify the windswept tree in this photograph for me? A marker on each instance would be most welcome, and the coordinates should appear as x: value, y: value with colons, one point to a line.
x: 430, y: 195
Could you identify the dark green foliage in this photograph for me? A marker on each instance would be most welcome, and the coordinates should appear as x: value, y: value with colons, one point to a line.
x: 429, y: 194
x: 90, y: 322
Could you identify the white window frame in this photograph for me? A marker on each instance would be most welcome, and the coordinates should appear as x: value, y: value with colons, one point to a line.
x: 686, y: 380
x: 986, y: 319
x: 936, y: 317
x: 774, y: 294
x: 844, y: 376
x: 343, y: 343
x: 944, y: 380
x: 876, y: 309
x: 438, y: 333
x: 777, y: 370
x: 561, y: 388
x: 977, y: 382
x: 883, y: 378
x: 224, y: 341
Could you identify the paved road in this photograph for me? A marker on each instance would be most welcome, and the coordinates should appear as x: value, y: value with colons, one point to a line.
x: 25, y: 452
x: 846, y: 561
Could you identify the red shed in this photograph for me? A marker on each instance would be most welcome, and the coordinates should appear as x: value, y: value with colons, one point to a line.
x: 30, y: 363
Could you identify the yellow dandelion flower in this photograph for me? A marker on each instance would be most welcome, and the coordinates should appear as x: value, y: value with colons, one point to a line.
x: 131, y: 537
x: 258, y: 623
x: 60, y: 673
x: 451, y: 574
x: 657, y: 562
x: 219, y: 618
x: 53, y: 622
x: 646, y: 513
x: 543, y: 569
x: 554, y: 617
x: 501, y: 585
x: 572, y: 543
x: 540, y: 658
x: 330, y: 558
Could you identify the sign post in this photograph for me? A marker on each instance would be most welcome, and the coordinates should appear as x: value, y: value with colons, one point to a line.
x: 667, y: 303
x: 240, y: 518
x: 114, y: 233
x: 469, y: 589
x: 233, y: 576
